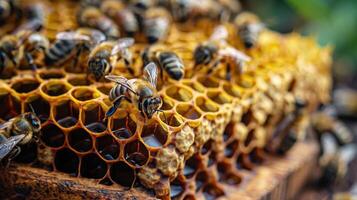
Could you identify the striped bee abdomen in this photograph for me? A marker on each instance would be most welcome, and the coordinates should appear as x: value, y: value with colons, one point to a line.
x: 172, y: 64
x: 248, y: 36
x: 117, y: 91
x: 59, y: 51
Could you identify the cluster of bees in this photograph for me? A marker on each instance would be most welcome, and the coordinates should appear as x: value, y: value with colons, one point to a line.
x: 107, y: 30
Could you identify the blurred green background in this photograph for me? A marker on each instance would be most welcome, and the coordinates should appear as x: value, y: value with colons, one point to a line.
x: 333, y: 22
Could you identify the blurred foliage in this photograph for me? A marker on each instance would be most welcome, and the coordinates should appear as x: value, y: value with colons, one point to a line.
x: 331, y: 21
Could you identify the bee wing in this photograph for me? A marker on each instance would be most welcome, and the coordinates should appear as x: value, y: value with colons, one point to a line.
x: 5, y: 125
x: 121, y: 80
x: 235, y: 53
x: 122, y: 44
x: 219, y: 33
x: 71, y: 35
x: 9, y: 144
x: 150, y: 73
x: 98, y: 36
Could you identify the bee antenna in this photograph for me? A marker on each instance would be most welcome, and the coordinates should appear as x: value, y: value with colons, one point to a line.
x: 32, y: 110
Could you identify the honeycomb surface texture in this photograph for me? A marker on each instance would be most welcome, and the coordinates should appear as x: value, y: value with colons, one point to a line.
x: 210, y: 131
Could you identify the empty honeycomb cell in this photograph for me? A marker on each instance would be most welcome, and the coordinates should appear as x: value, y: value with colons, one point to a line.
x: 28, y: 153
x: 167, y: 161
x: 107, y: 147
x: 25, y: 85
x: 184, y: 139
x: 167, y: 104
x: 40, y: 106
x: 92, y: 166
x: 201, y: 179
x: 80, y: 140
x: 123, y: 127
x: 92, y: 117
x: 232, y: 90
x: 188, y: 111
x: 83, y: 93
x: 206, y: 148
x: 247, y: 117
x: 136, y: 153
x: 212, y: 191
x: 208, y: 82
x: 191, y: 166
x: 67, y: 161
x: 79, y: 81
x: 219, y: 97
x: 212, y: 158
x: 249, y: 138
x: 51, y: 74
x: 170, y: 119
x: 206, y: 105
x: 231, y: 148
x: 228, y: 131
x: 176, y: 189
x: 54, y: 88
x: 66, y: 113
x: 154, y: 135
x: 106, y: 181
x: 52, y: 136
x: 179, y: 93
x: 195, y: 86
x: 104, y: 89
x: 122, y: 174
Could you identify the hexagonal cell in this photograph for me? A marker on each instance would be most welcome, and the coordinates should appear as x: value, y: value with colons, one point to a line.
x: 55, y: 88
x: 136, y: 153
x: 51, y: 74
x: 105, y: 89
x: 154, y: 135
x: 176, y: 189
x: 66, y: 113
x: 179, y: 93
x: 219, y: 97
x: 201, y: 179
x: 107, y: 147
x: 167, y: 104
x: 84, y: 94
x: 191, y: 166
x: 92, y: 166
x: 25, y: 85
x: 231, y: 148
x: 249, y: 138
x: 232, y: 90
x: 247, y: 117
x: 188, y: 111
x: 79, y: 81
x: 206, y: 105
x: 212, y: 191
x: 92, y: 117
x: 226, y: 175
x: 123, y: 127
x: 40, y: 106
x: 28, y: 153
x: 228, y: 131
x: 80, y: 140
x: 206, y: 148
x: 208, y: 82
x: 52, y: 136
x: 195, y: 86
x: 122, y: 174
x: 67, y: 161
x: 170, y: 119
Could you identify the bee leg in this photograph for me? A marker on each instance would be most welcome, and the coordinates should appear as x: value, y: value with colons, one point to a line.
x: 228, y: 72
x: 213, y: 66
x: 127, y: 65
x: 30, y: 60
x: 116, y: 104
x: 14, y: 153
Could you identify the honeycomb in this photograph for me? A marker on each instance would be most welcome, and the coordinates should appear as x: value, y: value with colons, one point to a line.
x: 211, y: 129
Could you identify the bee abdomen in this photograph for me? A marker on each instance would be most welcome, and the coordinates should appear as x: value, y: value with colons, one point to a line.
x: 172, y: 65
x: 248, y: 37
x: 59, y: 51
x: 117, y: 91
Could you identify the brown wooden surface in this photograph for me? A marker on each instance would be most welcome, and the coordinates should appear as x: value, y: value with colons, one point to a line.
x: 278, y: 178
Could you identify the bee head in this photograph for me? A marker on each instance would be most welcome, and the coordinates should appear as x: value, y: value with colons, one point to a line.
x: 98, y: 67
x: 151, y: 105
x: 34, y: 121
x: 203, y: 54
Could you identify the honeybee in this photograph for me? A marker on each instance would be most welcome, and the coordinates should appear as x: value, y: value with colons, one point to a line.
x: 35, y: 18
x: 8, y: 47
x: 7, y: 9
x: 167, y: 60
x: 156, y: 24
x: 249, y: 28
x: 141, y: 92
x: 216, y: 49
x: 92, y: 17
x: 284, y: 136
x: 124, y: 17
x: 72, y: 44
x: 99, y: 63
x: 19, y: 130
